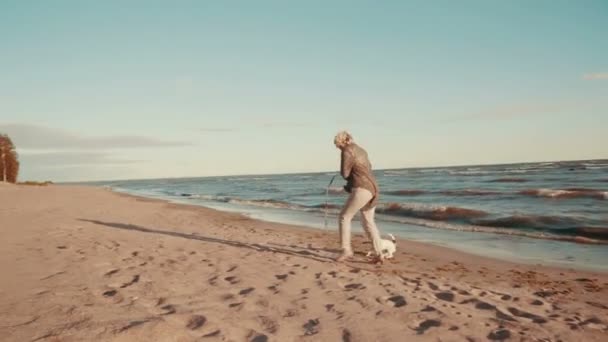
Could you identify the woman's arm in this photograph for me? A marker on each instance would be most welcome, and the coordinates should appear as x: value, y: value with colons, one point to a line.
x: 346, y: 164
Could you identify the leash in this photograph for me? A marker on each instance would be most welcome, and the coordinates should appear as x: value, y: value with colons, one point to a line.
x: 327, y: 197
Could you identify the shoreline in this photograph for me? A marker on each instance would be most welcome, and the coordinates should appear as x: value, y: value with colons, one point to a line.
x: 421, y: 224
x: 90, y: 263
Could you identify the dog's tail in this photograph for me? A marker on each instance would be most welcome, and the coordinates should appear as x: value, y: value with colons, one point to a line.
x: 393, y: 238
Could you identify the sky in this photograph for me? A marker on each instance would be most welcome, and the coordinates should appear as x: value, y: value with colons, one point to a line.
x: 100, y: 90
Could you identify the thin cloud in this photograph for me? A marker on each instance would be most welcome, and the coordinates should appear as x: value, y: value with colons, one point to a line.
x: 525, y: 110
x: 217, y: 130
x: 28, y: 136
x: 43, y: 160
x: 596, y: 76
x: 284, y: 124
x: 515, y: 111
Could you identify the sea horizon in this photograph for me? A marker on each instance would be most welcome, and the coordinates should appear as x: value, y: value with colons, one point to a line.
x: 337, y: 171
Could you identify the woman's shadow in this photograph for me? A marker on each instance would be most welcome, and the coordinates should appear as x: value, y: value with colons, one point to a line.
x: 303, y: 252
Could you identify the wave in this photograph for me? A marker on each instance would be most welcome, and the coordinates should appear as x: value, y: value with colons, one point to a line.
x: 583, y: 235
x: 469, y: 192
x: 478, y: 172
x: 464, y: 192
x: 590, y: 232
x: 566, y: 193
x: 204, y: 197
x: 396, y: 172
x: 529, y: 221
x: 508, y: 180
x: 336, y: 191
x: 442, y: 213
x: 248, y: 178
x: 267, y: 203
x: 325, y: 206
x: 406, y: 192
x: 537, y: 227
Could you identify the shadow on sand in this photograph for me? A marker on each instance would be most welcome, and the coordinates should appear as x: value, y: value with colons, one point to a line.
x: 306, y: 253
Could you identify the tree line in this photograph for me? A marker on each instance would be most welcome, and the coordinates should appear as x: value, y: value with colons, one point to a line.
x: 9, y: 160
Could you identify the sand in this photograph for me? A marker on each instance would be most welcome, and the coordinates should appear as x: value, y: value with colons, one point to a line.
x: 87, y: 264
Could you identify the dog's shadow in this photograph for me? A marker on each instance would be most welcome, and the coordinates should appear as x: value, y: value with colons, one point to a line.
x: 309, y: 253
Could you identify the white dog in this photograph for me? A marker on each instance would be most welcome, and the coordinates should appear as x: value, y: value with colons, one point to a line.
x: 387, y: 247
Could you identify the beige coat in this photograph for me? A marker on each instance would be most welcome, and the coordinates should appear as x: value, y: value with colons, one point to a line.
x: 357, y: 170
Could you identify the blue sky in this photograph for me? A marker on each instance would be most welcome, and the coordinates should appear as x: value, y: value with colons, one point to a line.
x: 95, y: 90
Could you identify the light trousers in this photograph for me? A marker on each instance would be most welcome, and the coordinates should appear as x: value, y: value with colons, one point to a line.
x: 358, y: 198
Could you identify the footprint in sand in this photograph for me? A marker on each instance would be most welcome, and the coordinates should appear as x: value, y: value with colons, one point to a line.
x: 269, y: 325
x: 110, y: 293
x: 212, y: 334
x: 428, y: 308
x: 254, y: 336
x: 346, y: 335
x: 228, y: 296
x: 281, y: 276
x: 132, y: 324
x: 246, y: 291
x: 481, y: 305
x: 196, y: 321
x: 169, y: 309
x: 446, y: 296
x: 113, y: 295
x: 111, y: 272
x: 274, y: 288
x: 535, y: 318
x: 259, y: 338
x: 394, y: 301
x: 311, y: 327
x: 598, y: 305
x: 133, y: 281
x: 355, y: 286
x: 232, y: 280
x: 499, y: 335
x: 426, y: 325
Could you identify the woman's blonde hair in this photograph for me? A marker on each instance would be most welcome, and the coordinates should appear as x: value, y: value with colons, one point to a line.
x: 343, y: 139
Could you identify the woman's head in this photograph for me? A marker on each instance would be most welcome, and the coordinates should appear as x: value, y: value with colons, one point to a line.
x: 343, y: 139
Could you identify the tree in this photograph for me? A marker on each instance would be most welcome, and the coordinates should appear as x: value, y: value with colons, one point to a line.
x: 9, y: 161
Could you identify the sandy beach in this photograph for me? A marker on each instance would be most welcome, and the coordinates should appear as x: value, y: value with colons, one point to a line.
x: 87, y: 264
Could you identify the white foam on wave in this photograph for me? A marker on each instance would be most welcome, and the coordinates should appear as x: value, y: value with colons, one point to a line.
x: 492, y: 230
x: 566, y: 193
x: 393, y: 173
x: 553, y: 193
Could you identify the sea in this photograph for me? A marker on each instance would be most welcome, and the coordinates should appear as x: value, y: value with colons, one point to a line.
x: 549, y: 213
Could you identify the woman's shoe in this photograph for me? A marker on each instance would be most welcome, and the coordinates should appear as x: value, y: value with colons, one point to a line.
x: 344, y: 257
x: 376, y: 260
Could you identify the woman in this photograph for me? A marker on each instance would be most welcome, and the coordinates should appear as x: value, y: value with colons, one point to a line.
x: 361, y: 184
